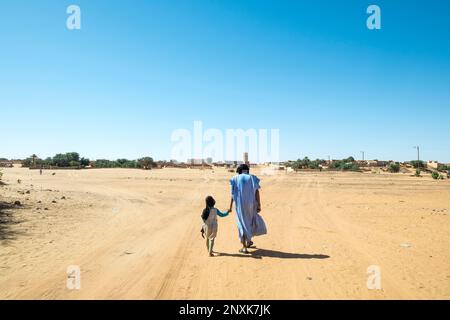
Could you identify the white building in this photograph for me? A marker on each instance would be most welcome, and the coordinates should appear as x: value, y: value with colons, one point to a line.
x: 432, y: 164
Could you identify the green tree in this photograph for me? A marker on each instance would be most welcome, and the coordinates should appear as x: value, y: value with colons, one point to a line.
x: 298, y: 164
x: 347, y: 164
x: 314, y: 164
x: 349, y: 159
x: 146, y: 163
x: 48, y: 161
x: 125, y: 163
x: 417, y: 164
x: 69, y: 159
x: 74, y: 163
x: 27, y: 162
x: 84, y: 162
x: 306, y: 162
x: 103, y: 163
x: 31, y: 161
x: 73, y: 156
x: 60, y: 160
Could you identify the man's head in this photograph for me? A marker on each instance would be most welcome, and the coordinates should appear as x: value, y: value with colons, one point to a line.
x: 243, y: 168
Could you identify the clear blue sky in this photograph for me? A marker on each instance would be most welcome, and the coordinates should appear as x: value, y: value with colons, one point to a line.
x: 137, y: 70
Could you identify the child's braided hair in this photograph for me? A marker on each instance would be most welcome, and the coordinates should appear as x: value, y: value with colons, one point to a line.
x: 210, y: 202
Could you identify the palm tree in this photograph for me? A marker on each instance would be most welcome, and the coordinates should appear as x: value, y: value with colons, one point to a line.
x: 34, y: 159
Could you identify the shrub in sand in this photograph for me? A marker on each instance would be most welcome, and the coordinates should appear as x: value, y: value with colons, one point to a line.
x: 394, y: 168
x: 436, y: 176
x: 417, y: 172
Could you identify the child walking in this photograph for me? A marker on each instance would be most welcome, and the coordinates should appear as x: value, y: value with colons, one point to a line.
x: 209, y: 217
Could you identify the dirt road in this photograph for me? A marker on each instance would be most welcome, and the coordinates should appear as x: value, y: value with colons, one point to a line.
x: 135, y: 235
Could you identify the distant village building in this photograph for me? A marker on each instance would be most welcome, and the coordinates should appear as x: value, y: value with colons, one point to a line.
x: 228, y: 164
x: 195, y: 161
x: 198, y: 163
x: 6, y: 164
x: 372, y: 163
x: 277, y: 166
x: 432, y: 164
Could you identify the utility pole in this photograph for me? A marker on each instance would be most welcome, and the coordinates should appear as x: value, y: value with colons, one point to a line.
x: 418, y: 153
x: 362, y: 155
x: 418, y: 156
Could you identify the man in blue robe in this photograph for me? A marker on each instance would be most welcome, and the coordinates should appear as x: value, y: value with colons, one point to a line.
x: 245, y: 193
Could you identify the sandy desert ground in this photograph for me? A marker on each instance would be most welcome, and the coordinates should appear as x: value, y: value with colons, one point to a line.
x: 135, y: 235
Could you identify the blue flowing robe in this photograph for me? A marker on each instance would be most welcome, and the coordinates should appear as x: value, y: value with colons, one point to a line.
x: 243, y: 190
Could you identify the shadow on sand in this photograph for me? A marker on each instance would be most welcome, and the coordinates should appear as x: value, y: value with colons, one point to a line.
x: 237, y: 255
x: 6, y: 221
x: 286, y: 255
x: 260, y: 253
